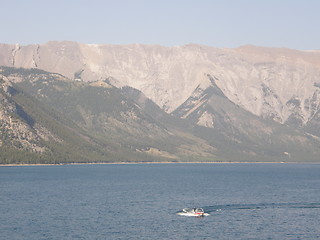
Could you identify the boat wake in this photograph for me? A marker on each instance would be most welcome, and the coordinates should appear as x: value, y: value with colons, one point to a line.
x: 215, y: 208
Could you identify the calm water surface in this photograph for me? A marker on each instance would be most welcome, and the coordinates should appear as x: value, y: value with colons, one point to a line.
x: 140, y: 201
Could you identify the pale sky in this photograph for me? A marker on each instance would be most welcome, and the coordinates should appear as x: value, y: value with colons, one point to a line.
x: 217, y: 23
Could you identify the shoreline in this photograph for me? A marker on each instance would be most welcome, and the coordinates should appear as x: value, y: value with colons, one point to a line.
x: 128, y: 163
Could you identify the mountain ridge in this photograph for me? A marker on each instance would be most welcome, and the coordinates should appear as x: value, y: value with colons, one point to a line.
x: 249, y: 102
x: 168, y: 75
x: 87, y: 122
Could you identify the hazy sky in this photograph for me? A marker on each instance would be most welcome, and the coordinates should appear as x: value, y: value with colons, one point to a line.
x: 218, y: 23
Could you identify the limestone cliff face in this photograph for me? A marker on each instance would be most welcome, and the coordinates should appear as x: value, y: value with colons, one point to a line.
x: 274, y: 83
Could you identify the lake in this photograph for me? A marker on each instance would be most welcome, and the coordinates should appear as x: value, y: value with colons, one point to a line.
x: 140, y: 201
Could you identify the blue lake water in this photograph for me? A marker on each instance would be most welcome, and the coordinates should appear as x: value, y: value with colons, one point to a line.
x: 140, y: 201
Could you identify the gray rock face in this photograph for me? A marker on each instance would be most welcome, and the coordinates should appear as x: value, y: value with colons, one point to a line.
x: 278, y: 84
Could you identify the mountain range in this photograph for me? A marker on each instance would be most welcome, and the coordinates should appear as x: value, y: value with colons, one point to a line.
x: 73, y: 102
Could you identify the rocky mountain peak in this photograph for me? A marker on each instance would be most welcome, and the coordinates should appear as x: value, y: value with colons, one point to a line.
x: 276, y: 83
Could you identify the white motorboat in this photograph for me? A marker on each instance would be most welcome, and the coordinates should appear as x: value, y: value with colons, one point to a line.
x: 193, y: 212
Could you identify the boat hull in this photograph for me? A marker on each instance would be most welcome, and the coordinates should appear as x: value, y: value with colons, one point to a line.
x: 192, y: 214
